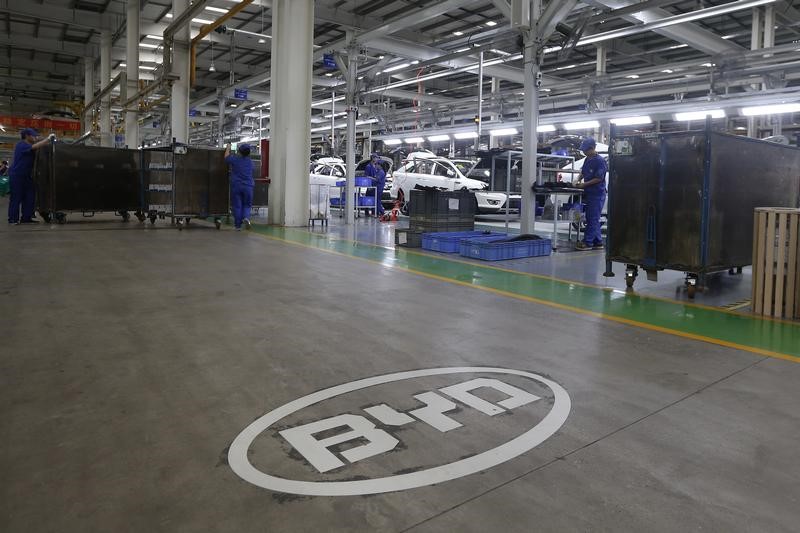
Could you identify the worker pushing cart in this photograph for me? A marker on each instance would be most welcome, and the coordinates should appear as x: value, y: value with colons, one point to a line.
x: 23, y: 192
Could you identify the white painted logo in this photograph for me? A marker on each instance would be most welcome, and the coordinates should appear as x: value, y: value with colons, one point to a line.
x: 373, y: 441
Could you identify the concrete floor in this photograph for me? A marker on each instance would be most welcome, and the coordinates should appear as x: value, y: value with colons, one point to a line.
x: 133, y: 356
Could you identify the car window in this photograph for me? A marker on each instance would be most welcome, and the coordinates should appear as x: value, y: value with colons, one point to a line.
x: 362, y: 166
x: 338, y: 171
x: 423, y: 167
x: 444, y: 170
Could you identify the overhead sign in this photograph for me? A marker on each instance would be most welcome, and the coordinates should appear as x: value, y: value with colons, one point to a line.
x: 240, y: 94
x: 354, y: 440
x: 328, y: 61
x: 44, y: 124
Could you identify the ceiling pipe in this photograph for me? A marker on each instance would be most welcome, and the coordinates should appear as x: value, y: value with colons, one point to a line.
x: 205, y: 30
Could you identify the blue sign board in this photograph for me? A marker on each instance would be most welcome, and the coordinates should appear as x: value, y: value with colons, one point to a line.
x: 240, y: 94
x: 328, y: 61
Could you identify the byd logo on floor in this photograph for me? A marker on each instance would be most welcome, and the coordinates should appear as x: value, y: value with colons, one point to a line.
x: 349, y: 438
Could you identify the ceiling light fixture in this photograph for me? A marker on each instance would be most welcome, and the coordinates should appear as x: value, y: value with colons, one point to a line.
x: 584, y: 125
x: 491, y: 23
x: 458, y: 33
x: 414, y: 140
x: 502, y: 132
x: 438, y: 138
x: 631, y: 121
x: 546, y: 128
x: 777, y: 109
x: 465, y: 135
x: 392, y: 142
x: 699, y: 115
x: 397, y: 67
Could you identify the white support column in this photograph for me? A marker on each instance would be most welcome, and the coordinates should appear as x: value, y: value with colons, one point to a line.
x: 179, y: 104
x: 132, y: 71
x: 290, y: 116
x: 529, y: 135
x: 480, y: 102
x: 88, y: 90
x: 221, y: 118
x: 352, y: 109
x: 106, y: 135
x: 756, y: 33
x: 602, y: 63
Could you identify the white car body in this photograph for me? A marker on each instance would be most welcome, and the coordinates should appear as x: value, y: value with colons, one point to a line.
x: 490, y: 202
x: 327, y: 171
x: 428, y: 170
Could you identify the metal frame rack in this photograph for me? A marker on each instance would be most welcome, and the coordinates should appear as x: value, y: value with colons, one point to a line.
x: 183, y: 182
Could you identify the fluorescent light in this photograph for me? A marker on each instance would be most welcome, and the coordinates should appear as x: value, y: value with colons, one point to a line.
x: 156, y: 37
x: 168, y: 15
x: 631, y: 121
x: 141, y: 67
x: 699, y: 115
x: 770, y: 109
x: 502, y: 132
x: 392, y: 142
x: 633, y: 76
x: 438, y: 138
x: 458, y: 33
x: 262, y: 41
x: 567, y: 67
x: 491, y: 23
x: 328, y: 74
x: 707, y: 65
x: 202, y: 21
x: 146, y: 45
x: 466, y: 135
x: 414, y: 140
x: 397, y: 67
x: 216, y: 9
x: 123, y: 65
x: 545, y: 128
x: 667, y: 71
x: 415, y: 62
x: 585, y: 125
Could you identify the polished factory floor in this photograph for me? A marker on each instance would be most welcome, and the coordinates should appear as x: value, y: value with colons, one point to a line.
x: 133, y: 356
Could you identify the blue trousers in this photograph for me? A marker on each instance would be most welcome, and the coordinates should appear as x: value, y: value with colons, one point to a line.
x: 379, y: 185
x: 241, y: 202
x: 23, y: 194
x: 594, y: 206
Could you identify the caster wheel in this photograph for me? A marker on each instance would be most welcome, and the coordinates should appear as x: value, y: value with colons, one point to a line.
x: 126, y: 216
x: 61, y: 218
x: 152, y: 220
x: 218, y: 224
x: 140, y: 216
x: 46, y: 217
x: 180, y: 223
x: 629, y: 281
x: 691, y: 291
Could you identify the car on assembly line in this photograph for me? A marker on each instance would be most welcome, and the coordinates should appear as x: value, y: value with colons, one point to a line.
x: 426, y: 169
x: 327, y: 171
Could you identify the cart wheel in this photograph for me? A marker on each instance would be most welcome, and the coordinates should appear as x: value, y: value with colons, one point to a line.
x: 179, y: 222
x: 126, y: 216
x: 218, y: 223
x: 629, y: 281
x: 140, y: 216
x: 691, y: 291
x: 153, y: 217
x: 61, y: 218
x: 47, y: 217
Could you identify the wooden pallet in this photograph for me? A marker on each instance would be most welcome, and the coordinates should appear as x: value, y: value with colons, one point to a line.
x: 776, y: 262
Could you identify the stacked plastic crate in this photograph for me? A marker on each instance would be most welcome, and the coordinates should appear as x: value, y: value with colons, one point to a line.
x: 435, y: 211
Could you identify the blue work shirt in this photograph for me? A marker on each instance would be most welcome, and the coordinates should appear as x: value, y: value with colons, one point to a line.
x: 241, y: 170
x: 375, y: 172
x: 22, y: 165
x: 595, y: 167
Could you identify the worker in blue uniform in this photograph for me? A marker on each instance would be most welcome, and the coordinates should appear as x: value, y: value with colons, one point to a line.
x: 375, y: 171
x: 593, y: 175
x: 23, y: 191
x: 241, y: 184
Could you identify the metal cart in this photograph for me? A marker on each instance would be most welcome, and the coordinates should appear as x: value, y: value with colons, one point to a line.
x: 684, y: 201
x: 183, y: 182
x: 87, y: 180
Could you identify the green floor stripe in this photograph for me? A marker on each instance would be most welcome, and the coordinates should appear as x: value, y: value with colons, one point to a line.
x: 740, y: 329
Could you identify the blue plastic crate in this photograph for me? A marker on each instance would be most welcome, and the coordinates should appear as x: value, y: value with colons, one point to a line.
x: 366, y: 201
x: 450, y: 242
x: 364, y: 182
x: 336, y: 201
x: 498, y: 249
